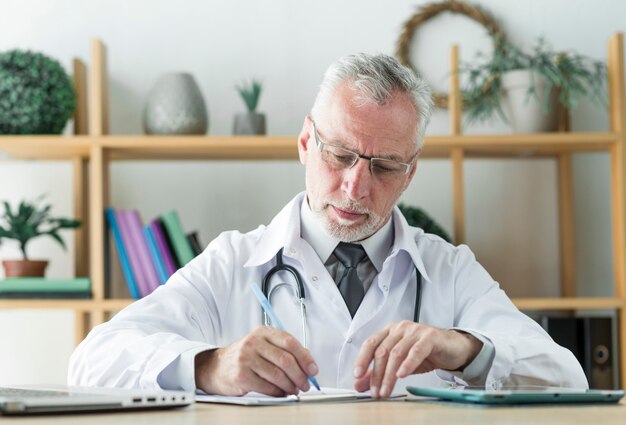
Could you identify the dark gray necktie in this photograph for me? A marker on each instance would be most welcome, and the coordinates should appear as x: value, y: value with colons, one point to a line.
x: 350, y: 286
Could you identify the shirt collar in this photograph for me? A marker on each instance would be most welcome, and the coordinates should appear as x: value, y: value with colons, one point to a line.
x: 282, y: 232
x: 377, y: 247
x: 407, y: 239
x: 288, y: 230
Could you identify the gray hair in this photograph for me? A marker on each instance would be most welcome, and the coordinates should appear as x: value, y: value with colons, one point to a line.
x: 375, y: 78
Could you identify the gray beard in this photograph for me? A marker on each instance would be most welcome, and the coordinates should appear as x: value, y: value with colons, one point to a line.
x: 350, y: 233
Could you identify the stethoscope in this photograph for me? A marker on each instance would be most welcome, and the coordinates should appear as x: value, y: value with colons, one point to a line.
x: 300, y: 294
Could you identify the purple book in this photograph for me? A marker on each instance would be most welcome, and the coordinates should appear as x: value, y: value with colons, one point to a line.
x: 141, y: 245
x: 123, y: 218
x: 164, y: 251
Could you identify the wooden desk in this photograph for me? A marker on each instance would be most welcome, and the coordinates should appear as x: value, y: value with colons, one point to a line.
x: 379, y: 413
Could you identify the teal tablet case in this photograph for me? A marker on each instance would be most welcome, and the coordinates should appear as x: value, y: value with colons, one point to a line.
x: 520, y: 396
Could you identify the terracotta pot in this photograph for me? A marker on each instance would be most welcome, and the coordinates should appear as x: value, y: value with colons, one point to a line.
x: 24, y: 268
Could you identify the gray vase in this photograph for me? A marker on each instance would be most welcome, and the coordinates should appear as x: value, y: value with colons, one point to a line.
x: 249, y: 123
x: 175, y: 106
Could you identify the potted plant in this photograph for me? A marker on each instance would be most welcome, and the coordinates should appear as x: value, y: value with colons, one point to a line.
x: 250, y: 122
x: 28, y: 221
x: 531, y: 86
x: 36, y: 94
x: 417, y: 217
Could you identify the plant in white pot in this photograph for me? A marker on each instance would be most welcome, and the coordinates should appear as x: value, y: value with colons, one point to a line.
x: 28, y: 221
x: 527, y: 89
x: 250, y: 122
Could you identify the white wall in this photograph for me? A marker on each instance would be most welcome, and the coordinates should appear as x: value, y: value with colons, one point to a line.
x: 511, y: 204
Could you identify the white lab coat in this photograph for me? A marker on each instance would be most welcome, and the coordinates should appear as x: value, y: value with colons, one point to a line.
x: 208, y: 304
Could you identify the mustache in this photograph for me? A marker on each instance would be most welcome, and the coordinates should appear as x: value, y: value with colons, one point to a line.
x: 353, y: 206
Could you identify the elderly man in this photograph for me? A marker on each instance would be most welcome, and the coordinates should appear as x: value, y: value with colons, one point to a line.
x: 386, y: 305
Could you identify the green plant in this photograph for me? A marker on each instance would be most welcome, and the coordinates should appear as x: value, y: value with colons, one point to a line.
x: 36, y: 95
x: 250, y: 93
x: 417, y: 217
x: 31, y: 220
x: 573, y: 76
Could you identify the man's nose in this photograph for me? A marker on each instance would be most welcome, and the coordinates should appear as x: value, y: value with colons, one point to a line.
x: 357, y: 180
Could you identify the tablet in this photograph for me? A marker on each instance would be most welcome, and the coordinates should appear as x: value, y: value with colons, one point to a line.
x: 519, y: 395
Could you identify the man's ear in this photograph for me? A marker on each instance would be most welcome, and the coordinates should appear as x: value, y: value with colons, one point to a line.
x: 303, y: 139
x: 409, y: 178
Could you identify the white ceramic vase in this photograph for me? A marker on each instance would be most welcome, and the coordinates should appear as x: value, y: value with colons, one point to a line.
x: 526, y: 111
x: 175, y: 106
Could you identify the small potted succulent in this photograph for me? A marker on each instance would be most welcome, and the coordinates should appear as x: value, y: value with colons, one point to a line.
x: 28, y: 221
x: 528, y: 88
x: 250, y: 122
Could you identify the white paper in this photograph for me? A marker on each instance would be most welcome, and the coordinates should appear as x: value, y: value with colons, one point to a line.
x: 312, y: 396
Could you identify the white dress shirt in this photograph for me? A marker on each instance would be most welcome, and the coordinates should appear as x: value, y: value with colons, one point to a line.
x: 378, y: 247
x: 207, y: 304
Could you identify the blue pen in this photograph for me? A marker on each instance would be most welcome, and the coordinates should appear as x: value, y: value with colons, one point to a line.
x: 270, y: 312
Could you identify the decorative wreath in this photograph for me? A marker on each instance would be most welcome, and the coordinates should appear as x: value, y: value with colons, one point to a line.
x: 431, y: 10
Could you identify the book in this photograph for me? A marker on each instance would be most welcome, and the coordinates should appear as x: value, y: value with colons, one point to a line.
x: 174, y: 228
x: 133, y: 255
x: 154, y: 254
x: 163, y: 245
x: 194, y: 241
x: 45, y: 288
x: 45, y: 295
x: 139, y: 243
x: 43, y: 284
x: 168, y: 242
x: 122, y: 254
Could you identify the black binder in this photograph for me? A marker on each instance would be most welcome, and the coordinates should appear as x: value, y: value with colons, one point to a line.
x: 590, y: 339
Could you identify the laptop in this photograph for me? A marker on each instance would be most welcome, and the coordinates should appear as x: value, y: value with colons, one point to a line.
x: 519, y: 395
x: 39, y: 400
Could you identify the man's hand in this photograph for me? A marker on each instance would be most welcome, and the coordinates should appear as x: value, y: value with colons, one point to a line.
x: 406, y: 348
x: 267, y: 361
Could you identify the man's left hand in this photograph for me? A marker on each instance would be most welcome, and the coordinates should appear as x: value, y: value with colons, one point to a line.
x: 405, y: 348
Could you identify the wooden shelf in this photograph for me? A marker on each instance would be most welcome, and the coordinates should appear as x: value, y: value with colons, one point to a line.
x: 579, y: 303
x: 284, y: 147
x: 112, y: 305
x: 516, y: 145
x: 200, y: 147
x: 45, y: 147
x: 78, y: 305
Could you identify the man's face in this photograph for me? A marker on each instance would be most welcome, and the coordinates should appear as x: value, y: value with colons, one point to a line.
x: 351, y: 203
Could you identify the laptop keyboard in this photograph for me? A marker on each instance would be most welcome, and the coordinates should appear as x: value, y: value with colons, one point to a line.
x: 22, y: 392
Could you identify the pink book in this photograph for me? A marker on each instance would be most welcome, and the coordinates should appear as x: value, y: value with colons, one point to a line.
x: 164, y: 250
x: 141, y: 245
x: 123, y: 220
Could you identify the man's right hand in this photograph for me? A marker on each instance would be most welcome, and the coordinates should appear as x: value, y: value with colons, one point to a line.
x: 267, y: 360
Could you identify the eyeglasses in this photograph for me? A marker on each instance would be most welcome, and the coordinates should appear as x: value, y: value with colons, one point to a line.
x: 339, y: 158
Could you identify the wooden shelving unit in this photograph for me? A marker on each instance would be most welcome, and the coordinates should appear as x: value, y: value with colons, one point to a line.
x: 92, y: 149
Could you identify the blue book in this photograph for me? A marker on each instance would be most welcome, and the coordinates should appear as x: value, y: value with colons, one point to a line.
x: 154, y: 253
x: 121, y: 251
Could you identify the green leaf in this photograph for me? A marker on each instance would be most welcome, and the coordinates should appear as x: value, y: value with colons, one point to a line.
x: 36, y: 94
x: 250, y: 93
x: 574, y: 76
x: 56, y: 237
x: 30, y: 220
